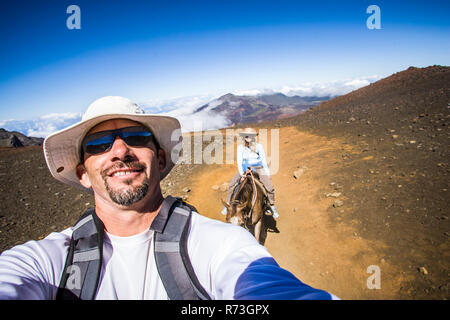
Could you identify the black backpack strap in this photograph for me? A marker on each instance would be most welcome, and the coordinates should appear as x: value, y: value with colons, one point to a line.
x: 81, y: 272
x: 172, y: 259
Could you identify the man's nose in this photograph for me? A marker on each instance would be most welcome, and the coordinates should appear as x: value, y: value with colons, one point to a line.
x: 119, y: 148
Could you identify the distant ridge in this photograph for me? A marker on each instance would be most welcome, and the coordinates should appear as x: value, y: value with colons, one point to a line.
x: 243, y: 109
x: 16, y: 139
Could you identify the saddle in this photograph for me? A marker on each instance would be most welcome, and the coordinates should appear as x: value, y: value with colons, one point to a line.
x: 258, y: 183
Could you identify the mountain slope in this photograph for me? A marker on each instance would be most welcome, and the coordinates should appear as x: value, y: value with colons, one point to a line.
x: 244, y: 109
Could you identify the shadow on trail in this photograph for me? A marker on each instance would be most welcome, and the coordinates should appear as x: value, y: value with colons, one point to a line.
x: 270, y: 224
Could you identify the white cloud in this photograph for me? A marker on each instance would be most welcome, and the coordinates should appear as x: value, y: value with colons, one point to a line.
x: 235, y: 103
x: 203, y: 120
x: 44, y: 125
x: 184, y: 110
x: 333, y: 88
x: 61, y: 116
x: 252, y: 92
x: 175, y: 105
x: 357, y: 83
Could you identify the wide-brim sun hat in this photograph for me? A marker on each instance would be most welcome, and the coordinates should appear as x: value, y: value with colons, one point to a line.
x: 248, y: 132
x: 62, y: 149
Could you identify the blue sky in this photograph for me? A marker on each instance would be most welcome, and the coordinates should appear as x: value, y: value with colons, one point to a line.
x: 157, y: 50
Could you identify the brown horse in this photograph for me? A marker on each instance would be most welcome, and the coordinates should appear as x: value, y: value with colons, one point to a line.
x: 248, y: 204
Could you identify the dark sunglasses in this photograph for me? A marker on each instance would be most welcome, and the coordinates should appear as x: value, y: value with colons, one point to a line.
x: 98, y: 142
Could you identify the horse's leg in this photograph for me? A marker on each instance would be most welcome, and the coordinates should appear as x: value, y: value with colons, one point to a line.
x: 258, y: 217
x: 258, y: 229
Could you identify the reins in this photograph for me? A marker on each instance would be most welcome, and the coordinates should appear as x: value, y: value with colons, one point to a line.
x: 255, y: 191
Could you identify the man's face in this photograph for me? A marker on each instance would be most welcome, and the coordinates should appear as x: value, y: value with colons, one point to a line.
x: 124, y: 174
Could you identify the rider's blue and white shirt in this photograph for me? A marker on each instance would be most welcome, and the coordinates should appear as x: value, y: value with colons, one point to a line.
x: 248, y: 158
x: 228, y: 261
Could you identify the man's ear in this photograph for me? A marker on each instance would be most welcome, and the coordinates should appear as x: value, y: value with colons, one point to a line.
x: 162, y: 159
x: 83, y: 176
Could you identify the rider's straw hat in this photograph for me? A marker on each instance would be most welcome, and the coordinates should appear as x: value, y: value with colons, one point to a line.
x: 248, y: 132
x: 62, y: 148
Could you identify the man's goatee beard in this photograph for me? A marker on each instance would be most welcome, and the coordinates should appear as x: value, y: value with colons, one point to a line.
x: 128, y: 195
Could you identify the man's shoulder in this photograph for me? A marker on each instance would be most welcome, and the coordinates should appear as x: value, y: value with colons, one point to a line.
x: 206, y: 222
x: 218, y: 230
x: 62, y: 237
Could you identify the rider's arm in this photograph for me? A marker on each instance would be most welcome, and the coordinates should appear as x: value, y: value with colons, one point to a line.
x: 262, y: 157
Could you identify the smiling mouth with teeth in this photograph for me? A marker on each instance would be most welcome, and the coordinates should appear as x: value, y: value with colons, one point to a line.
x: 123, y: 173
x: 123, y: 170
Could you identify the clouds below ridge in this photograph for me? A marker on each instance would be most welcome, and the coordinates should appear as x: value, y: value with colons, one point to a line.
x: 183, y: 108
x: 334, y: 88
x: 44, y: 125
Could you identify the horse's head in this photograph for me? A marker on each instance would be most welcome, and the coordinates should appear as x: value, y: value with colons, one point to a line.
x: 241, y: 203
x: 237, y: 212
x: 247, y: 203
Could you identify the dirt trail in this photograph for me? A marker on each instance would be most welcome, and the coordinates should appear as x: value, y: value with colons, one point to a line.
x: 324, y: 253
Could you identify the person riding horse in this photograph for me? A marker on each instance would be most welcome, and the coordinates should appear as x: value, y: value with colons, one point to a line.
x: 251, y: 155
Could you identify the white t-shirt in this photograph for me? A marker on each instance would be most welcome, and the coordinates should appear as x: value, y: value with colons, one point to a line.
x: 129, y: 265
x: 228, y: 261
